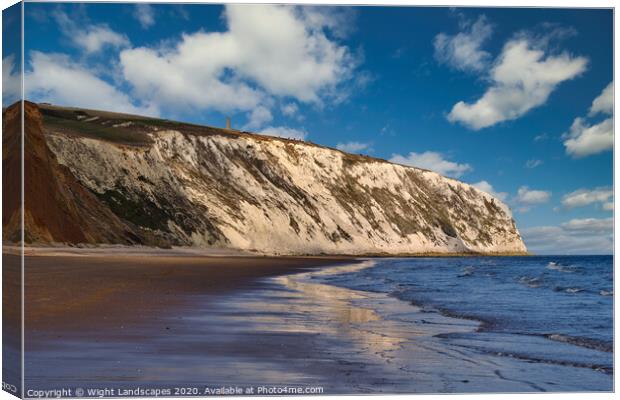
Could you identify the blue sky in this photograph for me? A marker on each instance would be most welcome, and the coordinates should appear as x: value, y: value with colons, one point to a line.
x: 512, y: 100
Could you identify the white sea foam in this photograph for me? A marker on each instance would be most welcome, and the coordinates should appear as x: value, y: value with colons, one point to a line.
x: 559, y: 267
x: 467, y: 271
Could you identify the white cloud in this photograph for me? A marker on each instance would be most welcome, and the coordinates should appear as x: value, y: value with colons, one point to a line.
x: 55, y: 79
x: 541, y: 137
x: 589, y: 225
x: 290, y: 109
x: 267, y: 50
x: 584, y: 197
x: 285, y: 132
x: 92, y: 38
x: 584, y: 140
x: 145, y: 14
x: 11, y: 81
x: 608, y: 206
x: 529, y: 197
x: 604, y: 103
x: 337, y: 19
x: 178, y: 87
x: 258, y: 118
x: 463, y: 50
x: 577, y: 236
x: 97, y: 37
x: 533, y: 163
x: 387, y: 130
x: 353, y: 147
x: 432, y: 161
x: 488, y: 188
x: 522, y: 78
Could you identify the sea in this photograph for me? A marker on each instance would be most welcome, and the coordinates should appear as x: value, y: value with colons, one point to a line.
x: 527, y: 307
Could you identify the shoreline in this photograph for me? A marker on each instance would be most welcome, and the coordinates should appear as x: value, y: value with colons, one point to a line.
x: 453, y: 337
x: 119, y: 250
x: 163, y: 321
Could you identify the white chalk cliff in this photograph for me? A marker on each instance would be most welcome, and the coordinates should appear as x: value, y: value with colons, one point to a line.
x: 200, y: 186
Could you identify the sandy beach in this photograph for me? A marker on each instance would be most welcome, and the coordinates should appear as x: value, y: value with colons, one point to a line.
x: 126, y: 321
x: 72, y: 290
x: 89, y: 296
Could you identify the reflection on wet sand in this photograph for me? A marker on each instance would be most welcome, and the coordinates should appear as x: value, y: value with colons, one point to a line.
x: 291, y: 330
x: 337, y: 309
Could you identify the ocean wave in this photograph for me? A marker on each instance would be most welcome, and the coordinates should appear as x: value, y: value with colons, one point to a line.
x: 571, y: 290
x: 596, y: 367
x: 534, y: 354
x: 529, y: 281
x: 467, y: 271
x: 582, y: 342
x: 447, y: 291
x: 559, y: 267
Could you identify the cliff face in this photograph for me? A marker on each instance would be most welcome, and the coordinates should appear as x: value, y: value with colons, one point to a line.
x: 11, y: 173
x: 57, y: 208
x: 200, y: 186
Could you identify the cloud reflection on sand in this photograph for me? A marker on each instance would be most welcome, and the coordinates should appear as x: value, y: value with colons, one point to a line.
x: 334, y: 311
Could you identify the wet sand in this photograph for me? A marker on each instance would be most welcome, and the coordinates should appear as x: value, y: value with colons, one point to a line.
x: 11, y: 322
x: 78, y: 300
x: 77, y: 292
x: 165, y: 322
